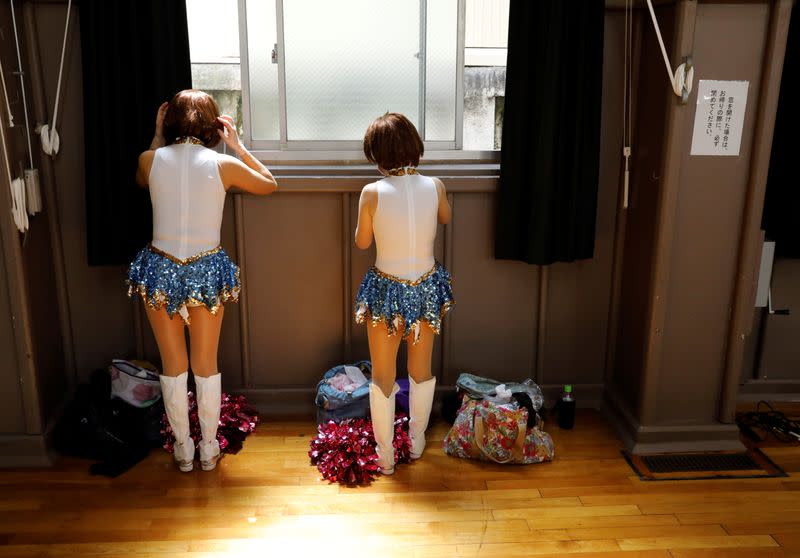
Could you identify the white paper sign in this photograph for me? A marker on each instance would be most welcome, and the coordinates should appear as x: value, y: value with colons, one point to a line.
x: 719, y: 117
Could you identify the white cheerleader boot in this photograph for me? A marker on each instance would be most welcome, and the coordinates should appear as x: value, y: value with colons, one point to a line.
x: 420, y: 401
x: 382, y: 411
x: 176, y: 403
x: 209, y: 399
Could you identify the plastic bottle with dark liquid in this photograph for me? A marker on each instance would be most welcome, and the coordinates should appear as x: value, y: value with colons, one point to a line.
x: 566, y: 409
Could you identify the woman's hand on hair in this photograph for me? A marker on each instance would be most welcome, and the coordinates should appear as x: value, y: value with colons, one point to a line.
x: 228, y: 133
x: 245, y: 175
x: 158, y: 137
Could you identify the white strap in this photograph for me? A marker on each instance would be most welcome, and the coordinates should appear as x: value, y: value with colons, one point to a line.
x: 627, y: 100
x: 5, y: 96
x: 49, y: 134
x: 22, y: 85
x: 18, y: 204
x: 16, y: 185
x: 33, y: 192
x: 682, y: 79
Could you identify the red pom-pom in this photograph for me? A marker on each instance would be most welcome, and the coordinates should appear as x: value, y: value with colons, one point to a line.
x: 236, y: 421
x: 345, y: 452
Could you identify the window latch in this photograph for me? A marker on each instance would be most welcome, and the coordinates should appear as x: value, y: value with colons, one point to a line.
x: 275, y: 54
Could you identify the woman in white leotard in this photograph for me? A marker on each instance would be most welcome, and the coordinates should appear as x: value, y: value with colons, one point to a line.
x: 184, y: 270
x: 406, y: 294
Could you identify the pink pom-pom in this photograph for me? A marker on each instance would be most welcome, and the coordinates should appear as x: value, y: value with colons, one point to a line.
x: 345, y: 452
x: 236, y: 421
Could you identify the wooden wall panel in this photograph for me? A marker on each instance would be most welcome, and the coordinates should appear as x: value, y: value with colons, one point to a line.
x: 576, y: 317
x: 493, y: 324
x: 730, y: 39
x: 12, y: 416
x: 639, y: 236
x: 294, y: 282
x: 230, y: 343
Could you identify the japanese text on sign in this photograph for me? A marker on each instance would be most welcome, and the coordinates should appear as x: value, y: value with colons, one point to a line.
x: 719, y: 117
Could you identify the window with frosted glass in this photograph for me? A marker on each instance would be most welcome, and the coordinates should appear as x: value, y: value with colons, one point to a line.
x: 262, y: 39
x: 346, y: 63
x: 349, y: 61
x: 315, y: 73
x: 441, y: 50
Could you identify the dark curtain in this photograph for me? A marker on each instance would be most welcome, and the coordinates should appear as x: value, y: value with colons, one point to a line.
x: 547, y: 197
x: 135, y: 56
x: 783, y: 192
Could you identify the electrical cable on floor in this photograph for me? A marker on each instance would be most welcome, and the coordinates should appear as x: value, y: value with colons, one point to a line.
x: 770, y: 421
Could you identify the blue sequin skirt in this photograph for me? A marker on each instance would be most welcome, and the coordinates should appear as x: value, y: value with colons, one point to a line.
x: 403, y: 305
x: 163, y: 281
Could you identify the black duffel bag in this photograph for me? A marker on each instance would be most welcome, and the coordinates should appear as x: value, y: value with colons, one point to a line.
x: 109, y: 431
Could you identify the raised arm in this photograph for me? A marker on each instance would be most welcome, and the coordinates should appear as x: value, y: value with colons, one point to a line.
x: 366, y: 209
x: 445, y: 214
x: 143, y: 168
x: 245, y: 175
x: 146, y: 158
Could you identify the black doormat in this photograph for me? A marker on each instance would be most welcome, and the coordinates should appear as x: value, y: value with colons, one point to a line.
x: 749, y: 464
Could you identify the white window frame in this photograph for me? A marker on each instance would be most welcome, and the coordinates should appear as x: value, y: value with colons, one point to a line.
x: 348, y: 151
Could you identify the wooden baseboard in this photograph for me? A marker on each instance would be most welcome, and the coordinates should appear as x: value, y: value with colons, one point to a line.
x: 769, y: 390
x: 298, y: 403
x: 20, y: 450
x: 640, y: 439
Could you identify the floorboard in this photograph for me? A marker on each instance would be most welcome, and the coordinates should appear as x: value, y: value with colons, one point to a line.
x: 268, y: 501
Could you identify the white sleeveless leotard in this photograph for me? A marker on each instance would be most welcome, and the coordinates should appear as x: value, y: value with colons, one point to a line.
x: 405, y: 224
x: 188, y: 198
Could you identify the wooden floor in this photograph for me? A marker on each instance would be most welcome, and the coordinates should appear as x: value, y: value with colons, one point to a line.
x: 268, y: 501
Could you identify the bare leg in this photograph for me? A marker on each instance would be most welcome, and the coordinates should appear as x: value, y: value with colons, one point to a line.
x: 170, y: 339
x: 204, y: 336
x: 383, y: 353
x: 422, y: 387
x: 204, y: 329
x: 420, y: 354
x: 174, y: 363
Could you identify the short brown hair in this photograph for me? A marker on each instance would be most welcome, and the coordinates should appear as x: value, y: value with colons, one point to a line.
x: 192, y: 113
x: 392, y: 141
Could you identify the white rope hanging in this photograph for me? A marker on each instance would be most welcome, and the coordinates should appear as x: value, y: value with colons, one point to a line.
x: 48, y: 133
x: 683, y: 76
x: 627, y: 100
x: 5, y: 96
x: 33, y: 194
x: 17, y: 187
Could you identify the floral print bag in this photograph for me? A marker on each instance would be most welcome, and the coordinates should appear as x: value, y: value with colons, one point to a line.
x: 490, y: 432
